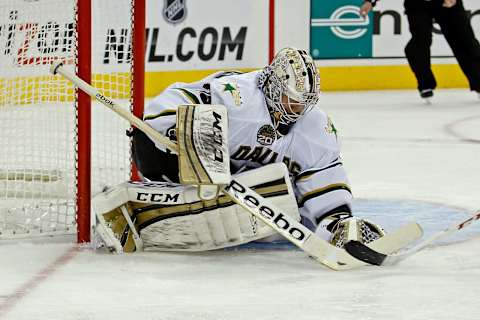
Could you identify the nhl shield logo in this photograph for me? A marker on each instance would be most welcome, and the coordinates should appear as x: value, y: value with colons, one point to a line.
x: 174, y: 11
x: 266, y: 135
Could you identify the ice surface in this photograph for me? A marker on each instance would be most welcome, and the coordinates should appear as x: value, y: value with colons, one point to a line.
x: 406, y: 160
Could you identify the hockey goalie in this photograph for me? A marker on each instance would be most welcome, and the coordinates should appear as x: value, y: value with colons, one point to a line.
x: 279, y: 143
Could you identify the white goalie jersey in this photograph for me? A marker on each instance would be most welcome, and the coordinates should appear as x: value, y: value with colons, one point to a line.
x: 310, y: 150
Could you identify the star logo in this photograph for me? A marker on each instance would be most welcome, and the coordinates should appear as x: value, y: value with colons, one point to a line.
x: 330, y: 128
x: 228, y: 87
x: 232, y: 89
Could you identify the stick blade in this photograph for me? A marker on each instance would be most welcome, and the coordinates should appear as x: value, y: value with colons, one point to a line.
x: 363, y: 253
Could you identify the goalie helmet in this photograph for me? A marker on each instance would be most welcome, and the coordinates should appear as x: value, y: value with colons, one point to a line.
x: 291, y: 85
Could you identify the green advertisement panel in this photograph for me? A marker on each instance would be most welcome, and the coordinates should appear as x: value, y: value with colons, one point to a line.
x: 338, y: 31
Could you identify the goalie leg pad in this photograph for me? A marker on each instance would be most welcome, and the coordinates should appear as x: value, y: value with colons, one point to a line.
x: 117, y: 230
x: 192, y: 224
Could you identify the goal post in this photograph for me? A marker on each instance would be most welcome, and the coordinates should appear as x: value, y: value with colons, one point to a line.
x: 84, y: 107
x: 137, y: 69
x: 58, y: 147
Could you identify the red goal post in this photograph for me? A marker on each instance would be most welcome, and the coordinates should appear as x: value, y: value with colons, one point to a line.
x: 57, y: 148
x: 84, y: 30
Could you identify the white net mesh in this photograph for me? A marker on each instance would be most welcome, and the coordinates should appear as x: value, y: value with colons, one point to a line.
x: 38, y: 116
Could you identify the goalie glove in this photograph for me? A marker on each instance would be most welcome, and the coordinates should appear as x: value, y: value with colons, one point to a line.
x: 342, y: 227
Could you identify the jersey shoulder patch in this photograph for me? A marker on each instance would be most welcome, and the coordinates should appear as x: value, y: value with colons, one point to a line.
x: 315, y: 139
x: 317, y: 123
x: 235, y: 91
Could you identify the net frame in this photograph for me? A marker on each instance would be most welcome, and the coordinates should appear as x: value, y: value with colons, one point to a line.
x: 83, y: 113
x: 84, y: 32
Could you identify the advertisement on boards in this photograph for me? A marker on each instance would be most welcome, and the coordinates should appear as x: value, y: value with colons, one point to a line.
x: 187, y: 34
x: 338, y: 31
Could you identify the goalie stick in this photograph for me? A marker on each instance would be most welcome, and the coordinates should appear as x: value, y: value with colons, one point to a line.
x: 319, y: 249
x: 371, y: 256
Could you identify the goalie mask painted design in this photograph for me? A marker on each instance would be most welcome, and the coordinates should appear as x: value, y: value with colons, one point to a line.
x: 291, y: 84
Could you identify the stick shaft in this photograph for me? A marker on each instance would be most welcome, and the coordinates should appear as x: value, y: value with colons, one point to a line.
x: 115, y: 107
x: 395, y: 258
x: 446, y: 232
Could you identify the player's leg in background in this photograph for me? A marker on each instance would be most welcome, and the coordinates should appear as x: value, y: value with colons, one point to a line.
x: 460, y: 36
x: 417, y: 50
x: 153, y: 163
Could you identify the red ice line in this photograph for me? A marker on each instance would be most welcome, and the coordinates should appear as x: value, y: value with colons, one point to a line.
x: 21, y: 292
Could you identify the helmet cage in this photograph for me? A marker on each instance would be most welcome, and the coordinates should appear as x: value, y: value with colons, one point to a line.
x: 291, y: 80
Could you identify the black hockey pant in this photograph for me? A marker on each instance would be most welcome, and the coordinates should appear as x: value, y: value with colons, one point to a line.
x: 458, y: 32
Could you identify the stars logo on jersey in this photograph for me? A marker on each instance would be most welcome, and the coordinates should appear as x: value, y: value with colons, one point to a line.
x: 330, y: 128
x: 266, y: 135
x: 234, y: 92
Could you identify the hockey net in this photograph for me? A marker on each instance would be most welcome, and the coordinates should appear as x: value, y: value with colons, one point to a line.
x: 45, y: 143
